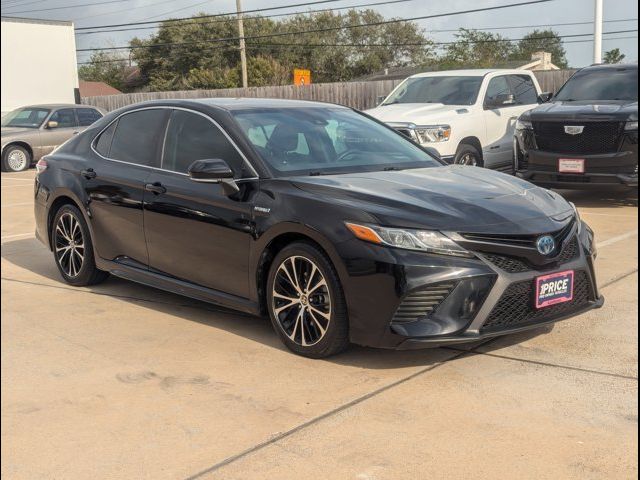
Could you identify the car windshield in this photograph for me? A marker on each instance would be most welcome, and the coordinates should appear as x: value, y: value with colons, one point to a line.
x: 446, y: 90
x: 322, y: 141
x: 602, y: 84
x: 25, y: 117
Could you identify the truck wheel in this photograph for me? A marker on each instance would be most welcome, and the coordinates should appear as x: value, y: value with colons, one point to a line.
x: 15, y: 159
x: 468, y: 155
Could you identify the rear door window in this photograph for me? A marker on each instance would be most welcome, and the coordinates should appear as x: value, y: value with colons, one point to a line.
x: 86, y: 116
x: 103, y: 144
x: 138, y: 137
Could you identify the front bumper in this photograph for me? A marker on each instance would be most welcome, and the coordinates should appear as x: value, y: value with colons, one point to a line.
x: 387, y: 285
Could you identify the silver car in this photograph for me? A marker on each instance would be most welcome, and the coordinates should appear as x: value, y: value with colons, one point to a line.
x: 29, y: 133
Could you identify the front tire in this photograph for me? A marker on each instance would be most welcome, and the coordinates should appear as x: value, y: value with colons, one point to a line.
x: 73, y: 249
x: 306, y: 303
x: 468, y: 155
x: 15, y: 159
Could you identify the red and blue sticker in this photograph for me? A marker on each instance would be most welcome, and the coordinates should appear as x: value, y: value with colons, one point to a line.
x: 554, y: 288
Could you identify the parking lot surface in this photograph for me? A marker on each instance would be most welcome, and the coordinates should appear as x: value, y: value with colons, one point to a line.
x: 124, y: 381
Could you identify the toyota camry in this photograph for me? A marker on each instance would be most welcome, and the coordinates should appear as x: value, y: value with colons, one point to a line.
x: 337, y: 227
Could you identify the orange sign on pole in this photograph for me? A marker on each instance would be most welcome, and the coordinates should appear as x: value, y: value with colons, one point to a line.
x: 301, y: 77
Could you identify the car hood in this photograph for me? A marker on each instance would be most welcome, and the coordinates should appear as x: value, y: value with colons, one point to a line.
x: 597, y: 111
x: 418, y: 113
x: 451, y: 198
x: 10, y: 131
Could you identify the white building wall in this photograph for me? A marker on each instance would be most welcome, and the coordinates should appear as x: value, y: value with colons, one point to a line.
x: 38, y: 62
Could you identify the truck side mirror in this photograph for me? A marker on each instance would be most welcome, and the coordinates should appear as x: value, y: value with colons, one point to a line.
x: 545, y: 97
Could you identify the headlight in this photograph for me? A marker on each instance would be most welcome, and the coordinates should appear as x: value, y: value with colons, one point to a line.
x: 524, y: 125
x: 421, y: 240
x: 433, y: 134
x: 631, y: 125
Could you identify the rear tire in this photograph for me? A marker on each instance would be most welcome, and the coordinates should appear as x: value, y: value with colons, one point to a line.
x: 73, y: 249
x: 15, y: 159
x: 469, y: 155
x: 306, y: 303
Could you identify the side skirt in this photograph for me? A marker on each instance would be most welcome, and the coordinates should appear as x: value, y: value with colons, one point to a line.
x: 179, y: 287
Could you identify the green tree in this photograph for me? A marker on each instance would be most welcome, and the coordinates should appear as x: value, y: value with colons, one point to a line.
x: 209, y: 57
x: 614, y: 56
x: 542, y: 41
x: 110, y: 68
x: 476, y: 49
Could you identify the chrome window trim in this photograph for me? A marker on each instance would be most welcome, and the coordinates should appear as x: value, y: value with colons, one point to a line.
x: 165, y: 107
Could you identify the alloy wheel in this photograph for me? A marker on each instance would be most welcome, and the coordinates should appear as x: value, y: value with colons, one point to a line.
x: 17, y: 160
x: 69, y: 245
x: 301, y: 301
x: 468, y: 159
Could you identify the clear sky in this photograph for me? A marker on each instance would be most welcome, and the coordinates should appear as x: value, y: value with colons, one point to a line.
x: 554, y: 12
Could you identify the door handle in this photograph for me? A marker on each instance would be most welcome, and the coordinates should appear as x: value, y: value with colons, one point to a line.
x: 89, y: 173
x: 156, y: 188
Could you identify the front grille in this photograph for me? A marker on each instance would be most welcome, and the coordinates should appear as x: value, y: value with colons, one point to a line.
x: 518, y: 265
x: 597, y: 137
x: 423, y: 302
x: 520, y: 240
x: 404, y: 131
x: 529, y: 140
x: 516, y: 306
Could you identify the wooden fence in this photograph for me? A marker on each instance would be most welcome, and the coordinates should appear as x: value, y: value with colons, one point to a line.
x: 360, y: 95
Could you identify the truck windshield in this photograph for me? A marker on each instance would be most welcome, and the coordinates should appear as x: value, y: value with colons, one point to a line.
x: 25, y: 117
x: 446, y: 90
x: 603, y: 84
x: 327, y: 140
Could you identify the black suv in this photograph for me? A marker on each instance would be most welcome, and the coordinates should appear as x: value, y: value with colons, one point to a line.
x: 586, y: 135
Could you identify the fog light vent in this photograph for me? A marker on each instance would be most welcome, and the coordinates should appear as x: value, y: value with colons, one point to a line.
x: 421, y: 303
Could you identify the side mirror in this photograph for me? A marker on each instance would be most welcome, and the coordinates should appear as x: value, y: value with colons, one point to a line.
x: 214, y: 171
x: 433, y: 152
x: 502, y: 100
x: 52, y: 124
x: 545, y: 97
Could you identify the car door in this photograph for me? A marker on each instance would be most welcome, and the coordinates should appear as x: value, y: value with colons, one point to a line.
x: 52, y: 136
x: 125, y: 154
x: 499, y: 123
x: 194, y: 231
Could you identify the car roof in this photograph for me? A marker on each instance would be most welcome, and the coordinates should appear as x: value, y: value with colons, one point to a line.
x: 479, y: 72
x: 612, y: 66
x: 53, y: 106
x: 241, y: 103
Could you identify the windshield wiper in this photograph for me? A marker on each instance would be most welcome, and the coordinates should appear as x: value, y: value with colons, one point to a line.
x: 315, y: 173
x: 392, y: 169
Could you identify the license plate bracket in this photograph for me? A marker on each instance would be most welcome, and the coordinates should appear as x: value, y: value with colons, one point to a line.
x: 554, y: 288
x: 571, y: 165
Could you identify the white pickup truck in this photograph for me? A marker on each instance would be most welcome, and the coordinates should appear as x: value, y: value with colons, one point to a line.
x: 468, y: 116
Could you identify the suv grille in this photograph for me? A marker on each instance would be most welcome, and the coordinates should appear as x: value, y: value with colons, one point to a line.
x: 422, y: 303
x: 597, y: 137
x: 516, y: 265
x: 515, y: 307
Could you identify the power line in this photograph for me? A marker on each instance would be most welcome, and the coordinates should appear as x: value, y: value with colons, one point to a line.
x: 412, y: 44
x: 192, y: 21
x: 255, y: 10
x: 330, y: 29
x: 114, y: 12
x: 69, y: 6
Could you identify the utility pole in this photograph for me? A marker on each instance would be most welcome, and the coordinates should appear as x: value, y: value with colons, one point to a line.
x: 243, y: 50
x: 597, y: 32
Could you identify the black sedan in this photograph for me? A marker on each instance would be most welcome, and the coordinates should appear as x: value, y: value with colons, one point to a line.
x: 336, y: 226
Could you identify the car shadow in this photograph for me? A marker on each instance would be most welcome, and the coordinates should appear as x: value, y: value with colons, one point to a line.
x: 30, y: 255
x: 601, y: 198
